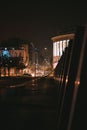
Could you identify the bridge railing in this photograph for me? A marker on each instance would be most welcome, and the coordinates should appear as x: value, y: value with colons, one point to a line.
x: 71, y: 75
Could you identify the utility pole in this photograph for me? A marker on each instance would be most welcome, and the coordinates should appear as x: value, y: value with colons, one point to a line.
x: 35, y: 56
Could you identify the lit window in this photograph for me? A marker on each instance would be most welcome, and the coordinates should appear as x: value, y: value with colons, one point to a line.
x: 60, y: 48
x: 54, y: 49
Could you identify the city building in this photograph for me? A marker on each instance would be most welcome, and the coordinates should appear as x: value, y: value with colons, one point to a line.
x: 20, y: 57
x: 14, y: 56
x: 60, y: 42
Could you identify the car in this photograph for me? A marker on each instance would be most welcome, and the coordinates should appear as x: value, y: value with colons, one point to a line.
x: 25, y: 74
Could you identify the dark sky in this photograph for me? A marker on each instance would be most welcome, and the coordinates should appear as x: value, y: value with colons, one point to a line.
x: 39, y: 21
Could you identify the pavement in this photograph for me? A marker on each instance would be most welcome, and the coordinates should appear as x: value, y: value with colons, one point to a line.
x: 29, y: 107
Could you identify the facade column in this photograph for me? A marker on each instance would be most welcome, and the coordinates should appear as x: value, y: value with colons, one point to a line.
x: 59, y: 48
x: 67, y: 43
x: 62, y: 47
x: 54, y: 49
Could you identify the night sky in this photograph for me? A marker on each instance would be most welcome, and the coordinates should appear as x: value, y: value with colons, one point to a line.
x: 38, y: 22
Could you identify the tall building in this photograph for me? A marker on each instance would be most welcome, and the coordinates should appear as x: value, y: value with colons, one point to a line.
x: 60, y: 42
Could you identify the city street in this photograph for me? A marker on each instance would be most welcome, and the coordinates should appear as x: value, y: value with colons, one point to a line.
x: 32, y: 105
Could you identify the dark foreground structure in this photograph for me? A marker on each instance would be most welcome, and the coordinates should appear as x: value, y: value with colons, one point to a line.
x: 71, y: 77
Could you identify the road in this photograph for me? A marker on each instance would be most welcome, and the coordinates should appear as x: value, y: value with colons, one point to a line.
x: 31, y: 105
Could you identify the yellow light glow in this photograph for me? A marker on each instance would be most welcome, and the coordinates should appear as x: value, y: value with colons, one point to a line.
x: 33, y: 75
x: 77, y: 83
x: 66, y: 80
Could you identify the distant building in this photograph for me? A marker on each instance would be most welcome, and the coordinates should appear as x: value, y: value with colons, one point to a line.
x: 14, y: 55
x: 60, y: 42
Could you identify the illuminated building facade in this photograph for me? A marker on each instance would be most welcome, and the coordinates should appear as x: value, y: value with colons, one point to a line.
x: 14, y: 56
x: 60, y: 42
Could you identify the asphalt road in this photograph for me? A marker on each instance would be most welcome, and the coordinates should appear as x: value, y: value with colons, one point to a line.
x: 29, y: 106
